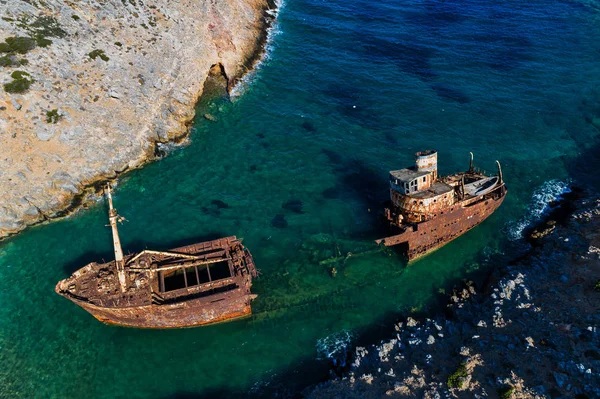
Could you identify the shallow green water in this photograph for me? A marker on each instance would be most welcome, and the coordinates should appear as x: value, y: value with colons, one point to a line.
x: 348, y: 92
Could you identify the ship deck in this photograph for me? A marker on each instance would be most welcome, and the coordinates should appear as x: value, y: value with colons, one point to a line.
x: 158, y: 277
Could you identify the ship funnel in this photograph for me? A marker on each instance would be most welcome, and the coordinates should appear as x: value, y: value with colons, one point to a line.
x: 499, y: 173
x: 426, y: 161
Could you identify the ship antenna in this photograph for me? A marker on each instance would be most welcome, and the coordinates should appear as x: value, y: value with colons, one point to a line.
x: 471, y: 162
x: 499, y: 172
x: 113, y: 218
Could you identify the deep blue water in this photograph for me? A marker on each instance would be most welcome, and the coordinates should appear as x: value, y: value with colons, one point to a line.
x: 348, y: 91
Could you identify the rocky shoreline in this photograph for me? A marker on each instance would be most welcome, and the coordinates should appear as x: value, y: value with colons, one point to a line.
x: 534, y: 334
x: 91, y: 89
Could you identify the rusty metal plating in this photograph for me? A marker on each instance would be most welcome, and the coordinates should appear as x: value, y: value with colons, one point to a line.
x: 428, y: 211
x: 203, y: 283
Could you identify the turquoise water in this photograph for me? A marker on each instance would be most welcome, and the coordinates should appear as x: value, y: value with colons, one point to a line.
x: 349, y: 90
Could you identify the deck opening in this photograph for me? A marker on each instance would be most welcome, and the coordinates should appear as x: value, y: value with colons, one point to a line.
x: 174, y: 280
x: 220, y: 270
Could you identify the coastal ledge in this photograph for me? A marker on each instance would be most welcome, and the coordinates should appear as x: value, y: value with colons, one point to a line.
x: 89, y: 89
x: 533, y: 333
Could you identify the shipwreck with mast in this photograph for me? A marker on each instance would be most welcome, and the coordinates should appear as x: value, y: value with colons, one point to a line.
x: 427, y: 211
x: 194, y: 285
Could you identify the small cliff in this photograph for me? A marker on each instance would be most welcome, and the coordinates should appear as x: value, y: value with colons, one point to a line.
x: 88, y: 88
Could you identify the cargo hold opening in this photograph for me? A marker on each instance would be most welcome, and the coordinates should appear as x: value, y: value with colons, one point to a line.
x: 187, y: 277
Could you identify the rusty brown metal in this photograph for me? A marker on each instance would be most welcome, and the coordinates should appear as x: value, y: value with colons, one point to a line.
x: 204, y: 283
x: 425, y: 219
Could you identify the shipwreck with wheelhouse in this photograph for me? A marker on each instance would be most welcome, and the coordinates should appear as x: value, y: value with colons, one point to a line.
x: 427, y: 211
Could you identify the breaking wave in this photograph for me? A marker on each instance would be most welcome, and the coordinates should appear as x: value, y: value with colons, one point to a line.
x: 272, y: 32
x: 335, y: 347
x: 540, y: 202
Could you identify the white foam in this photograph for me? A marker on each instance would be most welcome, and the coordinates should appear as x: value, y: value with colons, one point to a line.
x: 272, y: 32
x: 540, y: 199
x: 335, y: 347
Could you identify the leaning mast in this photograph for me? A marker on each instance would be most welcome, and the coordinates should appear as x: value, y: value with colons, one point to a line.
x: 113, y: 218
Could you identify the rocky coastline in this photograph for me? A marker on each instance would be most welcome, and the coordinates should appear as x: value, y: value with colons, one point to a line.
x: 90, y: 89
x: 533, y: 331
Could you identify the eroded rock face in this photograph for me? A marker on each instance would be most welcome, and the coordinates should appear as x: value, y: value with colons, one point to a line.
x: 109, y: 79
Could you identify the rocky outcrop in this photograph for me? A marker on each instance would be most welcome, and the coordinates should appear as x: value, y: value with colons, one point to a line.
x: 104, y: 82
x: 535, y: 334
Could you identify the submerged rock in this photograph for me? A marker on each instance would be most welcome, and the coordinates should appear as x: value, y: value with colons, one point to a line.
x: 294, y: 206
x: 279, y: 222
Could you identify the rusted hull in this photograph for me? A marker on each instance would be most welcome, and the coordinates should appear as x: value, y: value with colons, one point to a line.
x: 190, y: 313
x: 425, y: 237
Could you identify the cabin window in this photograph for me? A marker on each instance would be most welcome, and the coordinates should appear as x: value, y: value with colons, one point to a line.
x: 424, y: 178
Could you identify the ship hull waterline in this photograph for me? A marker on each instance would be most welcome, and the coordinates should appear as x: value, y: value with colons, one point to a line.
x: 187, y: 314
x: 426, y: 237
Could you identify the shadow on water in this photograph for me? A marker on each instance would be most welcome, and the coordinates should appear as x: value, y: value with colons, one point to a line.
x: 356, y: 178
x: 436, y: 15
x: 505, y: 52
x: 411, y: 57
x: 450, y: 93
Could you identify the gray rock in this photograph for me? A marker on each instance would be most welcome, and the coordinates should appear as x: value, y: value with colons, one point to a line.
x: 44, y: 135
x: 560, y: 378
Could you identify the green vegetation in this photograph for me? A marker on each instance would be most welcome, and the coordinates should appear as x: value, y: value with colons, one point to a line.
x: 98, y: 53
x: 18, y: 44
x: 506, y: 392
x: 41, y: 29
x: 53, y: 116
x: 456, y: 379
x: 46, y: 26
x: 75, y: 17
x: 20, y: 84
x: 119, y: 44
x: 597, y: 286
x: 12, y: 61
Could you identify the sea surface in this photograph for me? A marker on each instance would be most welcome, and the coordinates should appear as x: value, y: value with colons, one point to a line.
x: 297, y: 165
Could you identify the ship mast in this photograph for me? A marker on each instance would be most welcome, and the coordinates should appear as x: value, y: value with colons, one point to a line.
x: 113, y: 218
x: 499, y: 172
x: 471, y: 163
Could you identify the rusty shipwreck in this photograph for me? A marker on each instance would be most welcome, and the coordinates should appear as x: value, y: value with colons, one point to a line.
x: 203, y: 283
x: 428, y: 211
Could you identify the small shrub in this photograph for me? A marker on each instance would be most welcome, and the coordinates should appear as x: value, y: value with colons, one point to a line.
x: 53, y: 116
x: 12, y: 61
x: 506, y: 392
x: 98, y: 53
x: 597, y: 286
x: 47, y: 26
x: 119, y: 44
x: 455, y: 380
x: 20, y: 84
x: 75, y: 17
x: 17, y: 44
x: 6, y: 61
x: 42, y: 41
